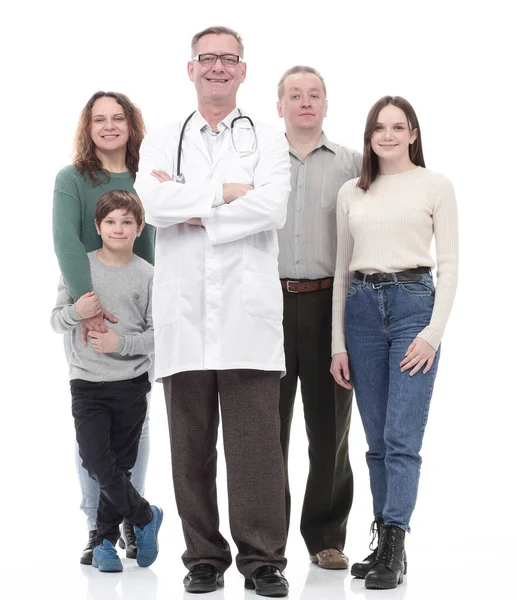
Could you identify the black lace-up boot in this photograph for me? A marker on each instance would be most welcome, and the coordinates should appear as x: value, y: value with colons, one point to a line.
x: 360, y: 569
x: 87, y: 555
x: 128, y: 539
x: 388, y: 570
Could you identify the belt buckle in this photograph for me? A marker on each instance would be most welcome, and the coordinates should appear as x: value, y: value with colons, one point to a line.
x: 289, y: 290
x: 383, y: 278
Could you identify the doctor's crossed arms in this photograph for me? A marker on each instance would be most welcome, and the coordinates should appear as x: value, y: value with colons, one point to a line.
x: 231, y: 191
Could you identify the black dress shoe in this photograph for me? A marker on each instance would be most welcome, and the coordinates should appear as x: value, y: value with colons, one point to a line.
x: 87, y: 555
x: 128, y: 539
x: 203, y: 577
x: 267, y: 581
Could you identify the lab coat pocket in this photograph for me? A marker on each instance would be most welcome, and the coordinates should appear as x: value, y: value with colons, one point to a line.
x: 262, y: 296
x: 261, y: 290
x: 166, y: 302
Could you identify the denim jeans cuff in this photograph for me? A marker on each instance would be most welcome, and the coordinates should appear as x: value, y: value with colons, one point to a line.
x: 406, y: 528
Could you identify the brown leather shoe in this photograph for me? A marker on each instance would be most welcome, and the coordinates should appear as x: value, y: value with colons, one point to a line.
x: 330, y: 559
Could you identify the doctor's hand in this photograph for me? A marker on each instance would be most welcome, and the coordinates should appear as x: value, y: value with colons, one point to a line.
x: 195, y: 221
x: 418, y: 354
x: 232, y: 191
x: 104, y: 342
x: 96, y: 323
x: 340, y: 371
x: 161, y: 175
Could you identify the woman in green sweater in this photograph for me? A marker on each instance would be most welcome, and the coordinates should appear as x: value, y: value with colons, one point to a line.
x: 106, y: 153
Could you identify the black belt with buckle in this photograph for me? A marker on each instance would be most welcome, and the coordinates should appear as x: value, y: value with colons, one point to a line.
x: 408, y: 275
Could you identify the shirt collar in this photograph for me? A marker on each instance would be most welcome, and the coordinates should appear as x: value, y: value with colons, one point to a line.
x: 322, y: 142
x: 200, y: 122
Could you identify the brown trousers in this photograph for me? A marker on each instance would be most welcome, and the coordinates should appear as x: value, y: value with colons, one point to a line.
x: 327, y: 409
x: 248, y: 400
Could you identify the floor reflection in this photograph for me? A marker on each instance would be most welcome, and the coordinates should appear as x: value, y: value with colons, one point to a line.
x: 324, y: 583
x: 134, y: 583
x: 357, y: 590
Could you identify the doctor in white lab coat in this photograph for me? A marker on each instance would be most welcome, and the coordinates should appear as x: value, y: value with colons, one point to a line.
x: 217, y: 312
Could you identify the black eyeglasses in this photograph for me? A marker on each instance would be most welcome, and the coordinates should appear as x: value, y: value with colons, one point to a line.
x: 210, y: 59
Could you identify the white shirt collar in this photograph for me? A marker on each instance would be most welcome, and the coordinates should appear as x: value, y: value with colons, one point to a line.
x: 201, y: 123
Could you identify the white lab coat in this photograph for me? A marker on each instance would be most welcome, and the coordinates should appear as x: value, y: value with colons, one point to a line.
x: 217, y: 300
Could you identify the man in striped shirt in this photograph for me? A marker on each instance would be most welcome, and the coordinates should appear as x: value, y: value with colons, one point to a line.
x: 307, y: 261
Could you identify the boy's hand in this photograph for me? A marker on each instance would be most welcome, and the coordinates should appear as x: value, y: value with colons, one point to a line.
x: 96, y: 323
x: 103, y: 342
x: 88, y: 305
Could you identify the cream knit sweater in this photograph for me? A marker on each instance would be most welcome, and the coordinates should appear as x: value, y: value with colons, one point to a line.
x: 389, y: 228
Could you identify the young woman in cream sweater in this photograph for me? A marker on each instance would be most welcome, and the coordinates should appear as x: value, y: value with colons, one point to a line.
x: 388, y: 319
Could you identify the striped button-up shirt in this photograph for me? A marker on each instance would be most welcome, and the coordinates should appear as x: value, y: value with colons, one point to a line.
x: 308, y: 243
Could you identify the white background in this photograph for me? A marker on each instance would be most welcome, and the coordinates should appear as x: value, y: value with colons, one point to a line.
x: 455, y: 62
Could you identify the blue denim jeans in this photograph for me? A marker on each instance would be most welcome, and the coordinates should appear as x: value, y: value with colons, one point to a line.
x: 89, y: 487
x: 381, y: 321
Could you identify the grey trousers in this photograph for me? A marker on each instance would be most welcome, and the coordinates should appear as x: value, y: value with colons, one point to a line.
x: 251, y: 431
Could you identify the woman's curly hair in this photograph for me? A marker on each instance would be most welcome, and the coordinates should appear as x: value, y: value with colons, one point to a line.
x: 85, y: 159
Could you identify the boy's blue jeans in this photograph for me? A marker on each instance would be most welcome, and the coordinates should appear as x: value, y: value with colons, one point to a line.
x: 89, y: 487
x: 381, y: 321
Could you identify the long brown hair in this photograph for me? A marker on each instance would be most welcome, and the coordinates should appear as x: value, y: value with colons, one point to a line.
x: 370, y: 168
x: 85, y: 159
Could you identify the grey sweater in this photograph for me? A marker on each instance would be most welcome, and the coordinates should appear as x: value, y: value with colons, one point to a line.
x: 126, y: 293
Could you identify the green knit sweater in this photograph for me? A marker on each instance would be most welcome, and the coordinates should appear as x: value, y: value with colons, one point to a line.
x: 75, y: 199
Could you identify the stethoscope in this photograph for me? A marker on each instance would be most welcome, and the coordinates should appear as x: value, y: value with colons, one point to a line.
x: 180, y: 178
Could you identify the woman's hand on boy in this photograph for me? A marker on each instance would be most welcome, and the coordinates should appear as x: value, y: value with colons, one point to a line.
x: 104, y: 342
x: 418, y: 354
x: 96, y: 323
x: 88, y: 305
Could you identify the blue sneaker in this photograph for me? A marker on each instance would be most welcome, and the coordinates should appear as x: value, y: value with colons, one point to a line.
x: 105, y: 558
x: 147, y: 539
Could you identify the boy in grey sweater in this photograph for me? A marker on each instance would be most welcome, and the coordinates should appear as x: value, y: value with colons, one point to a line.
x: 108, y: 375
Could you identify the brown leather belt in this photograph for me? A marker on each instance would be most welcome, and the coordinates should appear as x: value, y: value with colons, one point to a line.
x: 295, y: 287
